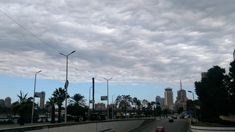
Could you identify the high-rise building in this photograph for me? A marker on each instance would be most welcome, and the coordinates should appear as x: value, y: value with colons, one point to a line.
x: 181, y: 100
x: 8, y: 102
x: 168, y: 100
x: 160, y: 101
x: 234, y: 54
x: 41, y: 95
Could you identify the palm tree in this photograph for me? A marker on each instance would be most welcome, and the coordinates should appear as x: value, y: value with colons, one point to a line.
x: 79, y: 99
x: 23, y: 107
x: 22, y: 97
x: 52, y: 103
x: 77, y: 107
x: 59, y: 96
x: 123, y: 102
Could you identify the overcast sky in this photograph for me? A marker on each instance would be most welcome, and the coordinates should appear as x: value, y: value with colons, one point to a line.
x: 157, y: 41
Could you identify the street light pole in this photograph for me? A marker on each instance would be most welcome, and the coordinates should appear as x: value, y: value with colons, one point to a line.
x: 89, y: 110
x: 107, y: 79
x: 112, y: 106
x: 193, y: 103
x: 66, y: 82
x: 35, y: 79
x: 89, y: 97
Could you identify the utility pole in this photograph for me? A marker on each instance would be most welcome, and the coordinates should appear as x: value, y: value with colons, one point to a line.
x: 108, y: 95
x: 93, y: 94
x: 89, y: 109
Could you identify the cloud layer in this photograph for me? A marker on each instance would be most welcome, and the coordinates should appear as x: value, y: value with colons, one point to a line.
x: 134, y: 40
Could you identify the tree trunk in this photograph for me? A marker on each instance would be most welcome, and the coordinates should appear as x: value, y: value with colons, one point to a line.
x: 59, y: 113
x: 53, y: 114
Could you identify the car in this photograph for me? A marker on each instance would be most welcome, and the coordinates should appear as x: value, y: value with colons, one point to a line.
x: 174, y: 117
x: 171, y: 120
x: 181, y: 116
x: 160, y: 129
x: 187, y: 116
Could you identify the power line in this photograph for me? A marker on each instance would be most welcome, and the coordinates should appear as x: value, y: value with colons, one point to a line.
x: 25, y: 29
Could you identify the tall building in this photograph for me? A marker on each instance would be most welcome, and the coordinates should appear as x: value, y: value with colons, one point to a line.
x: 8, y: 102
x: 234, y: 54
x: 168, y: 100
x: 41, y: 95
x: 181, y: 100
x: 160, y: 101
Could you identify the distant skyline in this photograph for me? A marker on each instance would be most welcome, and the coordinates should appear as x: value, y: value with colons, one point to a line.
x: 145, y: 46
x: 140, y: 90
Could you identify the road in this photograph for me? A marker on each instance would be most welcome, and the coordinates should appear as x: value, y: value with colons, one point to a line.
x: 179, y: 125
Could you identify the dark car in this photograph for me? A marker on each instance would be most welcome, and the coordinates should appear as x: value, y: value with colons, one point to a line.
x: 171, y: 119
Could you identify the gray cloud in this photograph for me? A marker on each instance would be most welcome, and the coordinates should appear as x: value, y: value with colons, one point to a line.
x: 135, y: 40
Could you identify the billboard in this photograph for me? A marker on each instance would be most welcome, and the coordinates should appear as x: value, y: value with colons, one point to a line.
x: 104, y: 98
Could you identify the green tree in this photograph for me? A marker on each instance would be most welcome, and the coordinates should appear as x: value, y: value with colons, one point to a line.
x: 213, y: 95
x: 59, y: 96
x: 22, y: 97
x: 158, y: 109
x: 77, y: 107
x: 153, y: 108
x: 52, y: 105
x: 148, y: 107
x: 23, y: 107
x: 137, y: 103
x: 231, y: 88
x: 79, y: 99
x: 123, y: 102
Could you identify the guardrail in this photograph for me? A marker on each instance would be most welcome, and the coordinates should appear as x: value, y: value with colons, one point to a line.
x: 91, y: 126
x: 211, y: 129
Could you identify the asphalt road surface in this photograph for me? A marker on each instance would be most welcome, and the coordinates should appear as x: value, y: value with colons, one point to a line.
x: 179, y: 125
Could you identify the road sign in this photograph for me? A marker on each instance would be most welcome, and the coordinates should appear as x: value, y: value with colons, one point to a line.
x: 104, y: 97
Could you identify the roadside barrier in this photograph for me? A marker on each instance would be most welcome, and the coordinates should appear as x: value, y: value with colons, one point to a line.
x: 211, y: 129
x: 92, y: 126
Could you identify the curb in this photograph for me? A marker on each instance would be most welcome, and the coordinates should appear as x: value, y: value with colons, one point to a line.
x: 212, y: 129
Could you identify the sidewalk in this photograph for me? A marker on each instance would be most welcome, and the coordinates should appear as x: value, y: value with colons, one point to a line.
x: 21, y: 126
